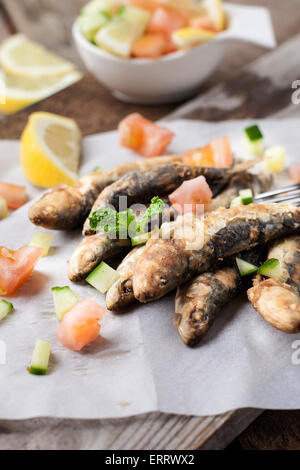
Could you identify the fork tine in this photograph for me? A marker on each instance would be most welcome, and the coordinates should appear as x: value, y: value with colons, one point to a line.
x: 275, y: 192
x: 290, y: 198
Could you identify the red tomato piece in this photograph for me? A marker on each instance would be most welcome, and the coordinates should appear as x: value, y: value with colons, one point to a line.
x: 80, y: 326
x: 190, y: 194
x: 144, y: 136
x: 150, y: 46
x: 294, y: 172
x: 203, y: 156
x: 15, y: 195
x: 223, y: 156
x: 166, y: 20
x: 16, y: 267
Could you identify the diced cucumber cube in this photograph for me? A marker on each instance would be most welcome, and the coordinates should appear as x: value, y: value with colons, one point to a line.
x: 236, y: 202
x: 135, y: 15
x: 96, y: 6
x: 103, y: 277
x: 275, y: 159
x: 64, y: 300
x: 254, y: 133
x: 141, y: 239
x: 92, y: 23
x: 40, y: 358
x: 246, y: 196
x: 5, y: 308
x: 42, y: 240
x: 245, y: 268
x: 253, y: 140
x: 271, y: 268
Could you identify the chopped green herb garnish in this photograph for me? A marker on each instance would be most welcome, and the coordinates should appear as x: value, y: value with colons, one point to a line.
x: 109, y: 220
x: 155, y: 208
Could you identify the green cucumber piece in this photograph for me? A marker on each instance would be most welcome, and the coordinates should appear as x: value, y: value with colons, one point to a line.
x: 97, y: 6
x: 64, y: 300
x: 91, y: 24
x: 271, y: 268
x: 141, y: 239
x: 245, y: 268
x: 254, y: 133
x: 40, y: 358
x: 254, y: 140
x: 236, y: 202
x: 5, y: 308
x: 103, y: 277
x: 246, y: 196
x: 135, y: 15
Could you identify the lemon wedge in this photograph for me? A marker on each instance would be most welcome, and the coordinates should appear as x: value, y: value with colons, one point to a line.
x: 187, y: 37
x: 21, y: 56
x: 118, y: 36
x: 215, y: 10
x: 19, y: 92
x: 50, y: 150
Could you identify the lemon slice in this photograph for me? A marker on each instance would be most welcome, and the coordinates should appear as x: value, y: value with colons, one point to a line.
x: 20, y: 92
x: 186, y: 37
x: 20, y: 56
x: 118, y: 37
x: 215, y: 10
x: 50, y: 150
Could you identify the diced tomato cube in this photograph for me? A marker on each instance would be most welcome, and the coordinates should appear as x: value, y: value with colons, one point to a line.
x: 80, y: 325
x: 190, y: 194
x: 15, y: 195
x: 144, y: 136
x: 166, y: 20
x: 16, y: 267
x: 149, y: 46
x: 294, y: 172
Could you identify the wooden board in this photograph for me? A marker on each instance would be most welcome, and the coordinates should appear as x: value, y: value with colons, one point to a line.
x: 260, y: 90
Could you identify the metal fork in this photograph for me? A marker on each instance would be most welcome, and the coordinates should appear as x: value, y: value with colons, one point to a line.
x: 289, y: 194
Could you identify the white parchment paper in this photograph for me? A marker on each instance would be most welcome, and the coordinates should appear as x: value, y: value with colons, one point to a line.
x: 139, y: 363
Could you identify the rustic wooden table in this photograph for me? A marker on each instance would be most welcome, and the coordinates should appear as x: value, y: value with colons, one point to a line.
x: 236, y: 90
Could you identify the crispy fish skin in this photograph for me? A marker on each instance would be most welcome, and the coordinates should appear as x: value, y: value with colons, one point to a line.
x: 66, y: 207
x: 278, y: 302
x: 167, y: 263
x: 120, y: 295
x: 258, y: 183
x: 140, y: 187
x: 200, y: 301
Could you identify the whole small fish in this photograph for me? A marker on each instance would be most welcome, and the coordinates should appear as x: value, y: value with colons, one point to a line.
x: 278, y: 302
x: 139, y: 188
x: 199, y: 302
x: 120, y: 295
x: 66, y: 207
x: 168, y: 263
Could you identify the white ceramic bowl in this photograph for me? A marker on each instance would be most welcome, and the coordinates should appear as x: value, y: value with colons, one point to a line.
x: 175, y: 76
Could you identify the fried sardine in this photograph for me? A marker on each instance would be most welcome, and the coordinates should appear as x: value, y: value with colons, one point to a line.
x: 168, y: 263
x: 278, y: 301
x: 66, y: 207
